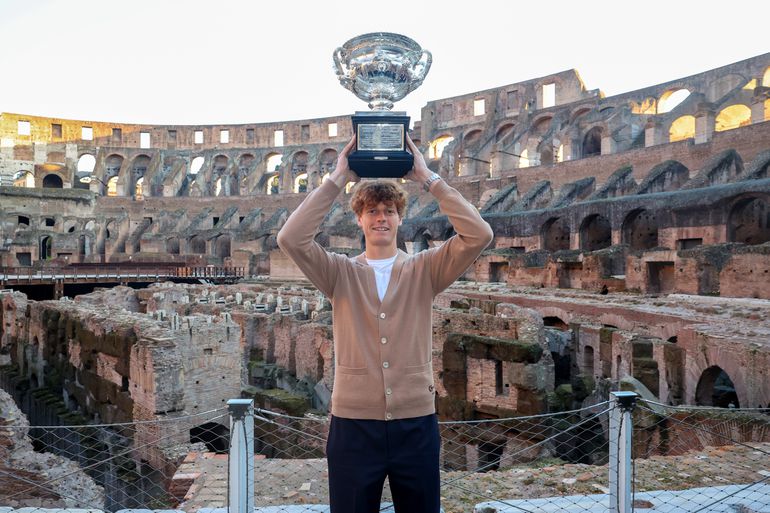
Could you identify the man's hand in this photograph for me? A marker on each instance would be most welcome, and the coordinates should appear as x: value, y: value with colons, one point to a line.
x: 420, y: 171
x: 342, y: 174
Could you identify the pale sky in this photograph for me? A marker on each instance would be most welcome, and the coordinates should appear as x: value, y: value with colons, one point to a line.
x: 226, y: 61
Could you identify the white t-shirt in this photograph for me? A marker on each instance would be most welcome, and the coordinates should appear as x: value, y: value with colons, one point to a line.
x: 382, y: 269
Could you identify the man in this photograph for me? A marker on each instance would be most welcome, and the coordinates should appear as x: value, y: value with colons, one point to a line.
x: 383, y: 409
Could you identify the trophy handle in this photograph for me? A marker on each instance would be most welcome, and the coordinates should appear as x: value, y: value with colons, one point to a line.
x: 339, y: 55
x: 423, y: 66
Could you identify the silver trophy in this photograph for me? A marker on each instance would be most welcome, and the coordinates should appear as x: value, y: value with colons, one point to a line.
x: 381, y: 68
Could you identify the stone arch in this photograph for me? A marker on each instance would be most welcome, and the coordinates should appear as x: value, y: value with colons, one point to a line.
x: 269, y: 184
x: 215, y: 436
x: 245, y: 163
x: 592, y: 142
x: 299, y: 163
x: 273, y: 162
x: 222, y: 246
x: 53, y: 181
x: 197, y: 245
x: 682, y: 128
x: 541, y: 125
x: 640, y: 229
x: 437, y: 146
x: 138, y: 169
x: 504, y: 131
x: 45, y: 247
x: 556, y: 322
x: 24, y: 178
x: 327, y: 160
x: 172, y: 245
x: 196, y: 164
x: 749, y: 221
x: 112, y: 165
x: 555, y: 234
x: 86, y: 163
x: 472, y: 137
x: 732, y: 117
x: 112, y: 186
x: 421, y: 241
x: 715, y: 388
x: 595, y: 233
x: 671, y: 98
x: 578, y: 112
x: 300, y: 183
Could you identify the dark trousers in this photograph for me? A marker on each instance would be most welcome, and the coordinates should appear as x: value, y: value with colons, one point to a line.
x: 361, y: 453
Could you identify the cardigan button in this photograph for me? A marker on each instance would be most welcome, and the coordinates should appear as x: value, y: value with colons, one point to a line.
x: 388, y: 416
x: 385, y: 365
x: 388, y: 391
x: 382, y: 315
x: 384, y: 340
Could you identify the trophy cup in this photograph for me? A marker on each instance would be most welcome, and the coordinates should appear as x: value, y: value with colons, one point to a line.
x: 381, y: 68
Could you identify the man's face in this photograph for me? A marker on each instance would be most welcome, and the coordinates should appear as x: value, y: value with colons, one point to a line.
x: 380, y: 224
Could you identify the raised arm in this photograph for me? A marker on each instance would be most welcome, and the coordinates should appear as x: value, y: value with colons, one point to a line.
x: 450, y: 260
x: 297, y: 236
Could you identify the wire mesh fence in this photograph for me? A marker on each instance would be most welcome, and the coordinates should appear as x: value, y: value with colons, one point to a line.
x: 103, y: 466
x: 682, y: 459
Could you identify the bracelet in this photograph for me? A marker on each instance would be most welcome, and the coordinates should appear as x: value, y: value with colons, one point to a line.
x: 433, y: 177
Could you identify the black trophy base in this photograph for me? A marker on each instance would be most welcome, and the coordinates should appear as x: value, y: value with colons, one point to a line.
x: 380, y: 145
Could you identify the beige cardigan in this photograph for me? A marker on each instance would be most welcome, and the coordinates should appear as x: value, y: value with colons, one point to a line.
x: 383, y: 349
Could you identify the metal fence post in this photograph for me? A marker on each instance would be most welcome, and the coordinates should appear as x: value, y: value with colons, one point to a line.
x: 621, y: 430
x: 241, y: 459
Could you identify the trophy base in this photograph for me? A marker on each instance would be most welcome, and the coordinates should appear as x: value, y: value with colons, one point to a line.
x: 380, y: 145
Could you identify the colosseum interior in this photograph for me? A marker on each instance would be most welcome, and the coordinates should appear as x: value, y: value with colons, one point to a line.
x: 632, y: 245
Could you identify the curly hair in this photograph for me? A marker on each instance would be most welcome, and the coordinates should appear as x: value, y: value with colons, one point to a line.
x: 369, y: 194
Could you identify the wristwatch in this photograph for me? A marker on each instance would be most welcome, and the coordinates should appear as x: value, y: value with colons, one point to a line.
x: 432, y: 178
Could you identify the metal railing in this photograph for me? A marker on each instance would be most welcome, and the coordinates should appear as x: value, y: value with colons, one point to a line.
x: 622, y: 455
x: 83, y: 273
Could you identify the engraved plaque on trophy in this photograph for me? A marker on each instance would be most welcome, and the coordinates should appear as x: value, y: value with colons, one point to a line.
x: 381, y: 68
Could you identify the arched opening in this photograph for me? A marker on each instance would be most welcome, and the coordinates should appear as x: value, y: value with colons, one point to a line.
x: 588, y: 360
x: 112, y: 186
x: 86, y: 163
x: 24, y: 178
x: 715, y: 388
x: 595, y: 233
x: 222, y: 246
x: 84, y: 245
x: 670, y: 99
x: 524, y: 158
x: 138, y: 169
x: 273, y: 162
x: 299, y: 163
x: 45, y: 248
x: 172, y: 246
x: 581, y: 111
x: 555, y: 235
x: 421, y: 241
x: 640, y: 230
x: 326, y: 161
x: 766, y: 78
x: 215, y: 436
x: 541, y: 126
x: 682, y: 128
x: 52, y: 181
x: 471, y: 138
x: 749, y: 221
x: 552, y: 321
x: 245, y: 163
x: 218, y: 187
x: 300, y: 183
x: 197, y: 245
x: 732, y: 117
x: 139, y: 188
x: 592, y: 142
x: 273, y: 184
x: 504, y: 131
x: 437, y: 146
x: 196, y: 165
